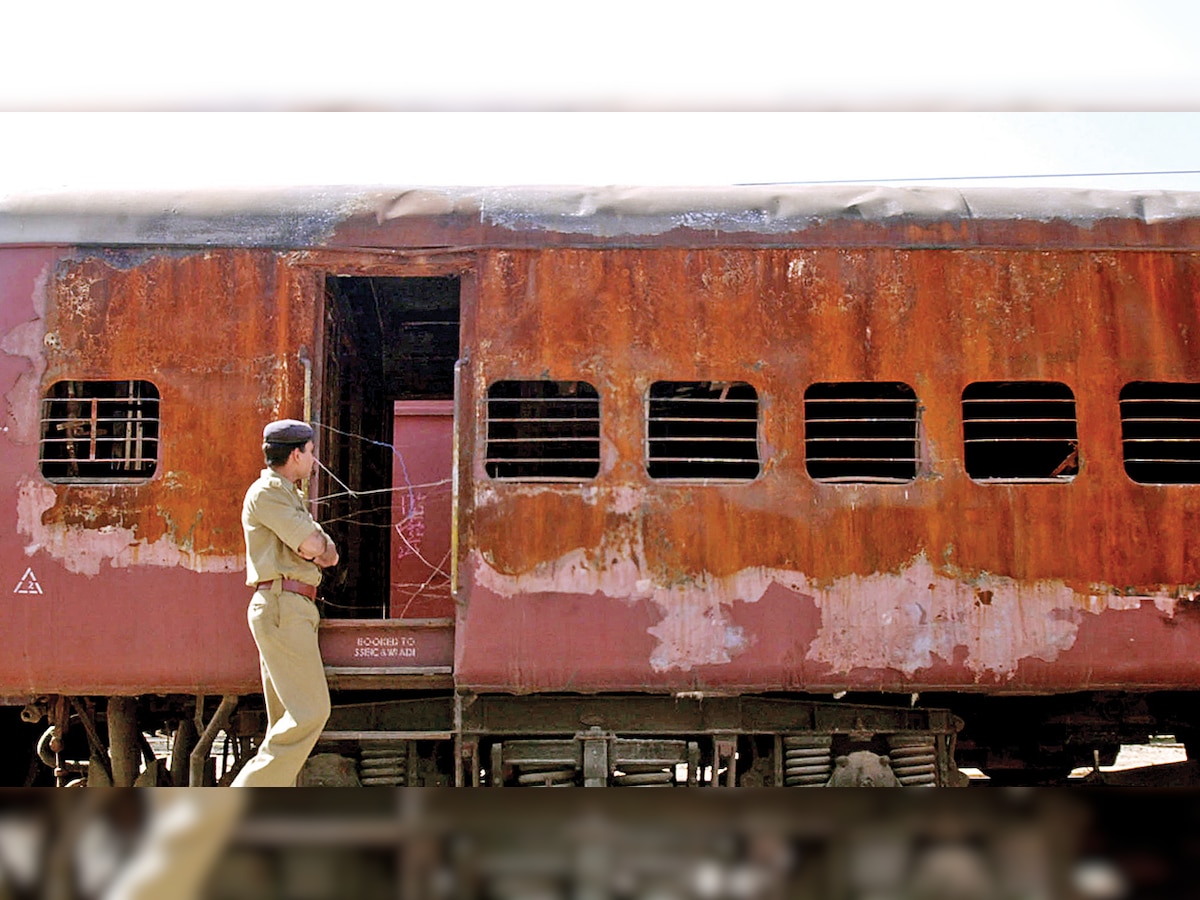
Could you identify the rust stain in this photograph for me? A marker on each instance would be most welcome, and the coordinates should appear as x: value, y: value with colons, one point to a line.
x: 624, y: 319
x: 219, y: 334
x: 84, y: 548
x: 904, y: 574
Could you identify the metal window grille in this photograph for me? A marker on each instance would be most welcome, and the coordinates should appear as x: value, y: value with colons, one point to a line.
x: 1160, y: 432
x: 543, y: 430
x: 862, y: 432
x: 702, y: 430
x: 99, y: 431
x: 1020, y: 431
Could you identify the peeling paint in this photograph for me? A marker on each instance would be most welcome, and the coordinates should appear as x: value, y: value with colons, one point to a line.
x: 1166, y: 605
x: 625, y: 499
x: 84, y: 550
x: 904, y: 621
x: 696, y: 628
x: 908, y: 620
x: 27, y: 340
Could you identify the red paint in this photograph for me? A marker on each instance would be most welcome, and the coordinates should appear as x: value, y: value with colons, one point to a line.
x: 151, y: 630
x: 422, y: 509
x: 387, y: 644
x: 594, y: 643
x: 843, y: 300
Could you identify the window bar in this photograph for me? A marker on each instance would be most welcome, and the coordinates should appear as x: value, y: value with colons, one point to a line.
x: 127, y: 463
x: 70, y: 430
x: 95, y: 414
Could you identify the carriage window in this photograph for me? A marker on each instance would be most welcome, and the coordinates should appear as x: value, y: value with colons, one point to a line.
x: 702, y: 430
x: 543, y: 430
x: 861, y: 432
x: 1160, y: 432
x: 99, y: 431
x: 1020, y: 431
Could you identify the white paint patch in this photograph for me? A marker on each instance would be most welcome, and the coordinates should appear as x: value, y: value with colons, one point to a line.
x: 1115, y: 601
x: 83, y: 550
x: 1166, y: 605
x: 27, y: 340
x: 904, y: 621
x: 795, y: 269
x: 626, y: 499
x: 909, y: 620
x: 695, y: 628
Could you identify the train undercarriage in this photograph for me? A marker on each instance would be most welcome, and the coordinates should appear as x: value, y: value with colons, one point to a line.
x: 441, y: 738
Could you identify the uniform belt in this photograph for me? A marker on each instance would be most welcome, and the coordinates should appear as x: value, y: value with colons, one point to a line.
x: 291, y: 584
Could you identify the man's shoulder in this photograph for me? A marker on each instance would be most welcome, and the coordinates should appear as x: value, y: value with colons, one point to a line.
x: 267, y: 481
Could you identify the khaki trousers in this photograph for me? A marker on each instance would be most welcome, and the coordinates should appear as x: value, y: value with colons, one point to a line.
x: 284, y: 626
x: 187, y: 831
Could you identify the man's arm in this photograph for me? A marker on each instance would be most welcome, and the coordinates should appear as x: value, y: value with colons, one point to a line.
x: 318, y: 548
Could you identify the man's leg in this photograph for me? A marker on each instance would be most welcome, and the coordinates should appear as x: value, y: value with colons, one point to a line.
x: 187, y: 830
x: 286, y: 633
x: 274, y: 705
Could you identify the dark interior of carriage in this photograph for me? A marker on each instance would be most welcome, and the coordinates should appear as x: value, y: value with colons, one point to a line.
x: 386, y: 339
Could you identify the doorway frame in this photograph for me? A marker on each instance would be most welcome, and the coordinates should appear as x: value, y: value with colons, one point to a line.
x: 314, y: 268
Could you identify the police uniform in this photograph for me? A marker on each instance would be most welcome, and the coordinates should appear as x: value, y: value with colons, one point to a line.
x: 283, y: 618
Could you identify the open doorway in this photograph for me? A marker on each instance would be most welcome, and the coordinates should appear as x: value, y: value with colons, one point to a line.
x: 386, y: 424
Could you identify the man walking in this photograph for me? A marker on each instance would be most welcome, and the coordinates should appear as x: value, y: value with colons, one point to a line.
x: 285, y: 552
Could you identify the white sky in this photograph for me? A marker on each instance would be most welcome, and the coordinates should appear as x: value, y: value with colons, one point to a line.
x: 479, y: 93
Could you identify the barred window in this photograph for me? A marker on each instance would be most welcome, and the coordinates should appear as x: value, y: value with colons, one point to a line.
x: 702, y: 430
x: 862, y: 432
x: 99, y: 431
x: 543, y: 430
x: 1160, y: 432
x: 1020, y: 431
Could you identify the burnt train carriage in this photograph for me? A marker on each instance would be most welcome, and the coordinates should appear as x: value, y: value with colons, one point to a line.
x: 634, y: 486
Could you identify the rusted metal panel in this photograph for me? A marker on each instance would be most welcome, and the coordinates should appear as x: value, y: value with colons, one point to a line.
x: 624, y: 582
x: 143, y: 583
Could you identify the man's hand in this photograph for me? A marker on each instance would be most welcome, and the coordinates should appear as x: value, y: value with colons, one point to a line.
x: 329, y: 557
x: 319, y: 549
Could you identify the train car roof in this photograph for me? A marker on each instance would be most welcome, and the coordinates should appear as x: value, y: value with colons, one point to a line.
x: 300, y: 218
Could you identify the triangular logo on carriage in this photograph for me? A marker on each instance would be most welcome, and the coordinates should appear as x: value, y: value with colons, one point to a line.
x: 28, y: 584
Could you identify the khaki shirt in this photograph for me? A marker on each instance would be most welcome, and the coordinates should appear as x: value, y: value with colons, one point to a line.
x: 275, y: 521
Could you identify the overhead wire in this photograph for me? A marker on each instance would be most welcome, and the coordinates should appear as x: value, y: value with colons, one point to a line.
x: 435, y: 570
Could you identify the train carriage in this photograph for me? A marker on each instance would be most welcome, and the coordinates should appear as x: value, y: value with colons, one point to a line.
x: 753, y: 486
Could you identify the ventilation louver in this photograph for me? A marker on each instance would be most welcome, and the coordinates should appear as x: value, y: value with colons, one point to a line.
x: 1160, y: 432
x: 1020, y: 431
x: 543, y: 430
x: 861, y: 432
x: 702, y: 430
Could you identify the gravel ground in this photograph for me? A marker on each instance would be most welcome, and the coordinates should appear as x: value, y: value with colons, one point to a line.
x: 1139, y: 756
x: 1134, y: 756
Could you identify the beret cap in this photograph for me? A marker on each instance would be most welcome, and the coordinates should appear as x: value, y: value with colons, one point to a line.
x: 287, y: 431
